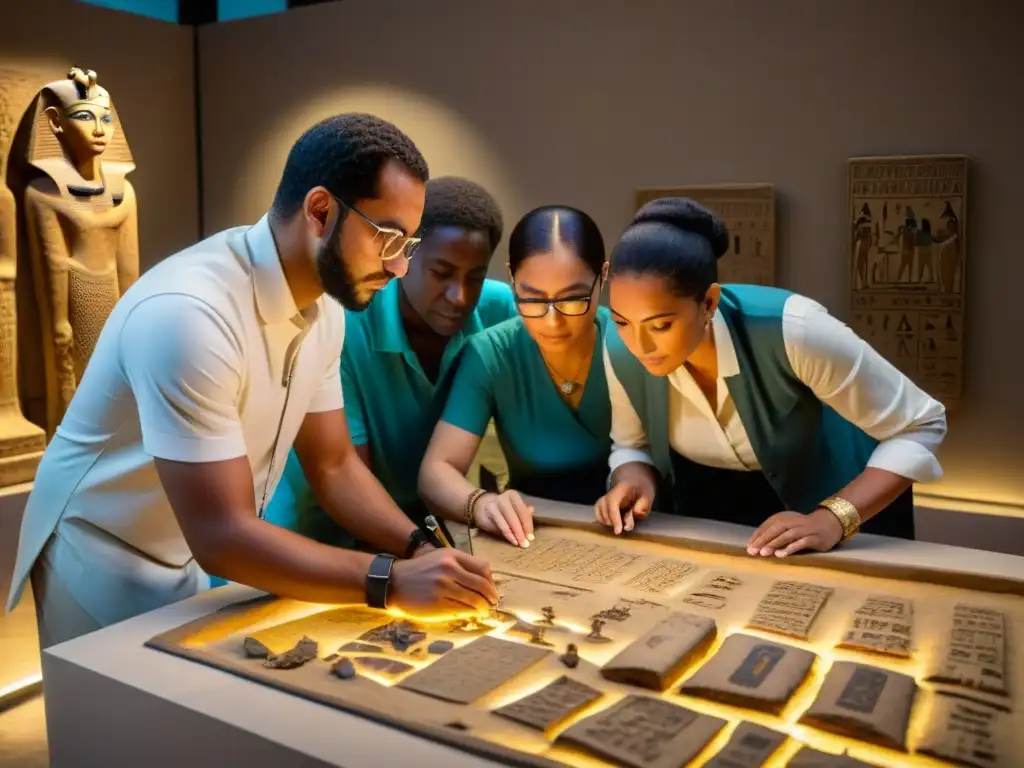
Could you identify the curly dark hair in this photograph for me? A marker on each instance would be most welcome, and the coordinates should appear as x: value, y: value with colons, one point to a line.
x: 345, y: 154
x: 457, y: 202
x: 677, y: 239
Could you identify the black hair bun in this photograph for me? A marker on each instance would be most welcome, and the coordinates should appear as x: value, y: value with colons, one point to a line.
x: 689, y: 216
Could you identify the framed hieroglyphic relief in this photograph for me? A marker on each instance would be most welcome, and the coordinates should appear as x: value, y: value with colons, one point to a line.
x: 908, y: 226
x: 748, y: 211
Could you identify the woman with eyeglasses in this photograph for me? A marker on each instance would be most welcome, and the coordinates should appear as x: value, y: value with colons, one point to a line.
x: 541, y: 378
x: 751, y: 404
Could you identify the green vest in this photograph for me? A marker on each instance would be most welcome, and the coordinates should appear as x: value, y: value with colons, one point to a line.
x: 806, y: 450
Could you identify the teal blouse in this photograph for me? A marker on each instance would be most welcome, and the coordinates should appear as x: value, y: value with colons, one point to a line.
x: 552, y: 451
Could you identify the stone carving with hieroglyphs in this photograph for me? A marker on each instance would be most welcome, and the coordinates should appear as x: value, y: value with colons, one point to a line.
x: 21, y: 442
x: 80, y: 231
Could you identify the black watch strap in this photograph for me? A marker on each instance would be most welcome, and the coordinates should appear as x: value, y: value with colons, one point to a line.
x: 378, y: 581
x: 416, y: 540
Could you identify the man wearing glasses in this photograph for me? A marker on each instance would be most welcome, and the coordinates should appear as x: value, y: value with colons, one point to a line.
x: 401, y: 354
x: 210, y: 367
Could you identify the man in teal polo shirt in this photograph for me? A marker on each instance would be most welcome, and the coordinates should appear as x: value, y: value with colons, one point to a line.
x: 400, y: 353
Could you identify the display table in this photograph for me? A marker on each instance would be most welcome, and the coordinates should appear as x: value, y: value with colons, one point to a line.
x: 112, y: 701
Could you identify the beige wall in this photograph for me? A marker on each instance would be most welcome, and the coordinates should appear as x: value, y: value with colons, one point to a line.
x: 147, y: 67
x: 582, y: 101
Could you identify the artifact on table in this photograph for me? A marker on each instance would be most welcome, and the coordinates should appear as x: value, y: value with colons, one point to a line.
x: 439, y: 647
x: 790, y: 608
x: 906, y: 228
x: 21, y: 442
x: 882, y: 624
x: 749, y: 746
x: 304, y: 651
x: 812, y: 758
x: 619, y: 612
x: 643, y: 732
x: 466, y: 673
x: 551, y: 705
x: 81, y: 234
x: 749, y: 671
x: 968, y: 733
x: 400, y: 634
x: 595, y: 635
x: 331, y: 657
x: 254, y: 649
x: 571, y: 657
x: 548, y: 614
x: 974, y: 656
x: 344, y: 668
x: 383, y: 666
x: 355, y: 647
x: 865, y: 703
x: 538, y: 637
x: 418, y: 653
x: 714, y: 593
x: 657, y: 657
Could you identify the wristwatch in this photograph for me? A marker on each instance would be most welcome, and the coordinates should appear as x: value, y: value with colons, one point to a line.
x: 416, y: 540
x: 378, y: 581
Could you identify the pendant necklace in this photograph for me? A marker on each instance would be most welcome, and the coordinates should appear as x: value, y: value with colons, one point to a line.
x: 568, y: 387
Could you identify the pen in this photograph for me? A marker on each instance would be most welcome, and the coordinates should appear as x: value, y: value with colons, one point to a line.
x: 431, y: 524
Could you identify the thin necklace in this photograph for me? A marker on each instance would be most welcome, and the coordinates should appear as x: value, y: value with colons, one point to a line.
x: 568, y: 387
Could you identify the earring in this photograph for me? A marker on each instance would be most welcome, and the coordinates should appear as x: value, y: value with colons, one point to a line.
x: 707, y: 323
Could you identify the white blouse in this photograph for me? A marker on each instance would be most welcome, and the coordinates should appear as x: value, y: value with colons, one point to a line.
x: 843, y: 370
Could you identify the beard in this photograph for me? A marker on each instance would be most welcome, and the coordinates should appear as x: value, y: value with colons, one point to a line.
x: 335, y: 275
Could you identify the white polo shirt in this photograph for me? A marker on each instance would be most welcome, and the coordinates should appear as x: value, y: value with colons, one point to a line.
x: 191, y: 366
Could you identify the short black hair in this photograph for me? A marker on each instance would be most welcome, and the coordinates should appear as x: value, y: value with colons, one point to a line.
x: 677, y: 239
x: 535, y: 233
x: 344, y: 154
x: 455, y: 202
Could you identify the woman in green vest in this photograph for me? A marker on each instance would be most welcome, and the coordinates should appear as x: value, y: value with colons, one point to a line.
x: 751, y: 404
x: 539, y: 376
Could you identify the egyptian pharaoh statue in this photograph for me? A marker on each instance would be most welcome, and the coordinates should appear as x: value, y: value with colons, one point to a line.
x: 21, y: 442
x: 81, y: 226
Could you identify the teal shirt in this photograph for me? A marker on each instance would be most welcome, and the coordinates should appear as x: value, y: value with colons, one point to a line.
x: 390, y: 404
x: 551, y: 450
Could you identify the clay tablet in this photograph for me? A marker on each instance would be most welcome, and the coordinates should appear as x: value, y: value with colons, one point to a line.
x: 643, y: 732
x: 812, y: 758
x: 865, y: 703
x: 465, y: 674
x: 714, y: 593
x: 551, y: 705
x: 882, y: 624
x: 657, y: 657
x: 789, y: 608
x: 751, y: 672
x: 966, y: 733
x: 974, y: 655
x: 749, y: 747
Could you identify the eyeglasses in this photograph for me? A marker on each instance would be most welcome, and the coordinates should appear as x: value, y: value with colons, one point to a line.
x: 394, y: 243
x: 570, y: 306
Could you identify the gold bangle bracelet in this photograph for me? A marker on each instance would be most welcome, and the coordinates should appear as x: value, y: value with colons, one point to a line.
x: 845, y: 513
x: 471, y: 501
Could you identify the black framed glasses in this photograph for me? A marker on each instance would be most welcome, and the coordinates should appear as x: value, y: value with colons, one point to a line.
x: 570, y: 306
x: 395, y: 244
